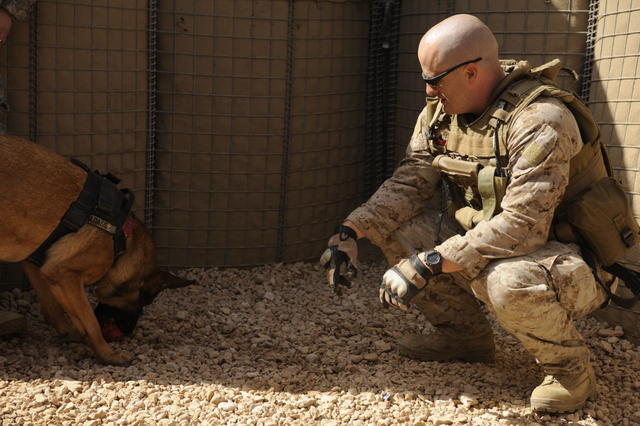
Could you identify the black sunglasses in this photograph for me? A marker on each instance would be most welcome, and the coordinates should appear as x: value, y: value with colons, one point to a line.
x: 433, y: 81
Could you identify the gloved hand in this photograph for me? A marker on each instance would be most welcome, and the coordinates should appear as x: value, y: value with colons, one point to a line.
x: 340, y: 259
x: 402, y: 282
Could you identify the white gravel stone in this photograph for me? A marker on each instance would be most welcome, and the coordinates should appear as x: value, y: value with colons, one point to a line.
x: 468, y: 401
x: 227, y: 406
x: 272, y: 345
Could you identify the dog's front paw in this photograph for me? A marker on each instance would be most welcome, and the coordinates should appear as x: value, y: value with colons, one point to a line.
x: 118, y: 358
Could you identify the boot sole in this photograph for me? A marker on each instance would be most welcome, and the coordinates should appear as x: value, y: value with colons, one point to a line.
x: 551, y: 406
x: 542, y: 405
x: 468, y: 356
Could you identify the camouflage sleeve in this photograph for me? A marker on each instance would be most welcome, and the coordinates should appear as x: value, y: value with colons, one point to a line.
x: 541, y: 142
x: 18, y: 9
x: 403, y: 195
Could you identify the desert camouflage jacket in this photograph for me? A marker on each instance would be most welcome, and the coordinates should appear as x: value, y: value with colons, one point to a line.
x: 533, y: 192
x: 18, y: 9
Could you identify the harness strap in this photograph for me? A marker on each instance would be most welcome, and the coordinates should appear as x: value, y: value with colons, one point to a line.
x: 631, y: 279
x: 101, y: 204
x: 74, y: 218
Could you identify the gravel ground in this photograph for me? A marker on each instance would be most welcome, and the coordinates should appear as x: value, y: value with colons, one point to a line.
x: 272, y: 345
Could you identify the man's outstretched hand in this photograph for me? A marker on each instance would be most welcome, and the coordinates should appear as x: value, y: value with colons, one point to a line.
x: 403, y: 281
x: 340, y: 259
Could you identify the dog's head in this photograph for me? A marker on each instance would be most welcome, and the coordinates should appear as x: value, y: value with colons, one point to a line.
x: 133, y: 282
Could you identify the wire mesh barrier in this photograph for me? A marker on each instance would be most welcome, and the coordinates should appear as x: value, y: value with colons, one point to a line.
x: 382, y: 81
x: 237, y: 124
x: 260, y: 122
x: 76, y: 82
x: 615, y: 92
x: 249, y: 129
x: 614, y: 98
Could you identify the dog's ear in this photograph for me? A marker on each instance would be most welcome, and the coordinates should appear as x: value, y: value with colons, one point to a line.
x: 157, y: 281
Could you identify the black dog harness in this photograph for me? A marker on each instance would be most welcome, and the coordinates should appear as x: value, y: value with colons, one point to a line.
x: 100, y: 204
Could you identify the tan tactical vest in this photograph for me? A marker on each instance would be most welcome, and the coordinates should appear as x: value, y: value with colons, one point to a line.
x: 474, y: 157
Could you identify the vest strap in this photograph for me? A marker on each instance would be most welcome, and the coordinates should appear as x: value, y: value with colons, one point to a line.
x: 487, y: 191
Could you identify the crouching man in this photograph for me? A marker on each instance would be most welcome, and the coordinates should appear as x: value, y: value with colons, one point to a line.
x: 471, y: 212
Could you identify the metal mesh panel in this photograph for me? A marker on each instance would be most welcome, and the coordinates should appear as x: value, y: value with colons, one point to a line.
x: 615, y: 93
x: 537, y: 31
x: 258, y: 125
x: 87, y: 96
x: 14, y: 74
x: 416, y: 17
x: 14, y: 63
x: 259, y: 128
x: 327, y: 122
x: 382, y: 80
x: 91, y: 85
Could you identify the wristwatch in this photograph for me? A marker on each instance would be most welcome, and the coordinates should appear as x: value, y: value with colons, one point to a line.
x: 433, y: 260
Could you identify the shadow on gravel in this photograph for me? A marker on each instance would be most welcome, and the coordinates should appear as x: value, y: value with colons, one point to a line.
x: 279, y: 329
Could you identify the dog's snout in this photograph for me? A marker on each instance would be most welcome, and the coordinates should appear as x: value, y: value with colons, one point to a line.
x: 125, y: 320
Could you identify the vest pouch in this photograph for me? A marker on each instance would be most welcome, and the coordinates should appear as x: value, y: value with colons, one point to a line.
x: 601, y: 218
x: 468, y: 217
x: 454, y: 167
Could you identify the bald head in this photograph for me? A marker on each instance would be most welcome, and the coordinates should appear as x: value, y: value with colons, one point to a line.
x: 456, y: 39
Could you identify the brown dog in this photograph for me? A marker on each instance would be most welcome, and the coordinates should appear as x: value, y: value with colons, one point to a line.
x: 37, y: 186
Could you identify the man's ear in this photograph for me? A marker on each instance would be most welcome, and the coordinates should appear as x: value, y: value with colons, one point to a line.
x: 471, y: 73
x: 158, y: 281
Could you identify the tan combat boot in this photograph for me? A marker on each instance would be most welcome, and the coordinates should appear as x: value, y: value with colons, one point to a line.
x: 440, y: 347
x: 12, y: 323
x: 563, y: 393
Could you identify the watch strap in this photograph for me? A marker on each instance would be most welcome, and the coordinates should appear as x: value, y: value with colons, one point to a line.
x: 346, y: 230
x: 422, y: 270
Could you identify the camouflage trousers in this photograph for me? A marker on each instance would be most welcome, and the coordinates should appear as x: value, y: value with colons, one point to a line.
x: 534, y: 297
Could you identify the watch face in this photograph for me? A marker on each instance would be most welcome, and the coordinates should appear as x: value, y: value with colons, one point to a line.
x: 433, y: 258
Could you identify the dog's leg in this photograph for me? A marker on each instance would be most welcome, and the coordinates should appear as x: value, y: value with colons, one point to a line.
x: 71, y: 295
x: 75, y: 260
x: 51, y: 309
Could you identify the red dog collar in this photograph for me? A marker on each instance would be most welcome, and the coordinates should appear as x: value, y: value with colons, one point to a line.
x: 128, y: 225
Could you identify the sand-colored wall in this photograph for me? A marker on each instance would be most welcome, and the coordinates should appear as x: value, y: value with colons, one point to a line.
x: 615, y: 92
x: 261, y: 105
x: 260, y: 123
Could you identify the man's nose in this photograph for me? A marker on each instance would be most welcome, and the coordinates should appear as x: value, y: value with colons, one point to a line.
x: 432, y: 91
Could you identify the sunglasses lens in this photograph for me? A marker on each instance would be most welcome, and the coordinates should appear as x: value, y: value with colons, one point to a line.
x: 431, y: 81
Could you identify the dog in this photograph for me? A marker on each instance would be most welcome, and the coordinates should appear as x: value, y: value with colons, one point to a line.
x: 37, y: 187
